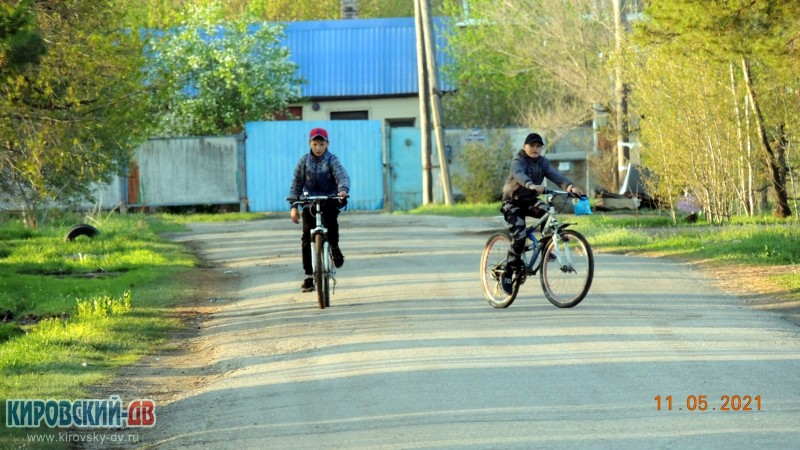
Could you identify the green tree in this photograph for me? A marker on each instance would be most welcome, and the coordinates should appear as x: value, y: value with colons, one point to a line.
x: 20, y: 42
x: 210, y: 78
x: 756, y: 41
x: 545, y: 64
x: 693, y: 135
x: 74, y: 118
x: 161, y: 14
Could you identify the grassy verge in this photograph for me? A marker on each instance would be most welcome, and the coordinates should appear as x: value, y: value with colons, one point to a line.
x: 746, y: 241
x: 75, y: 311
x: 227, y: 217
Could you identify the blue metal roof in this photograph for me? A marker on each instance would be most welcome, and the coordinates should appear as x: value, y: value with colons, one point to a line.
x: 360, y: 57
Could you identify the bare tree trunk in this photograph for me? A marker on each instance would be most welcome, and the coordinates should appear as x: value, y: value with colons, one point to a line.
x: 745, y: 189
x: 751, y: 189
x: 773, y: 160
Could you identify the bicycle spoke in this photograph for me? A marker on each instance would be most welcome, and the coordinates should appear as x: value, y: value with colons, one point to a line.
x: 493, y: 261
x: 567, y: 279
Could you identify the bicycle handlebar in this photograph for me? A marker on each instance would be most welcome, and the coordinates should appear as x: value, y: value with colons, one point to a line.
x: 308, y: 199
x: 564, y: 193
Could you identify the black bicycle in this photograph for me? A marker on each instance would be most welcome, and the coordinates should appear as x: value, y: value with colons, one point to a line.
x: 562, y: 258
x: 322, y: 259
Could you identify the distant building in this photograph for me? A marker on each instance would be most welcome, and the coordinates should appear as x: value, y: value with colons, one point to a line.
x: 361, y: 69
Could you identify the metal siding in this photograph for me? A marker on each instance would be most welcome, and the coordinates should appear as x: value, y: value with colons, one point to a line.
x: 274, y: 148
x: 360, y: 57
x: 188, y: 171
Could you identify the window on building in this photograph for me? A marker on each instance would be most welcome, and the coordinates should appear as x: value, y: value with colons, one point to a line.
x: 292, y: 113
x: 400, y: 123
x: 349, y: 115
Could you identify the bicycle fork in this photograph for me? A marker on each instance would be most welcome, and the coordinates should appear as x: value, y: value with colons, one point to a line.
x: 564, y: 259
x: 328, y: 269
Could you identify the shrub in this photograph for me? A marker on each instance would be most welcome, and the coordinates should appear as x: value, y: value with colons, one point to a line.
x: 486, y: 167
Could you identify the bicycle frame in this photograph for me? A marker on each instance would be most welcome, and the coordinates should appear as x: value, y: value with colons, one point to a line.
x: 328, y: 267
x: 550, y: 226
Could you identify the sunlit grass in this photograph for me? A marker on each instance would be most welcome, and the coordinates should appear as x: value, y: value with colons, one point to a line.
x: 68, y: 323
x: 457, y: 210
x: 220, y: 217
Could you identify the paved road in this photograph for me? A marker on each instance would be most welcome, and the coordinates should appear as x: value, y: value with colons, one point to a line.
x: 411, y: 356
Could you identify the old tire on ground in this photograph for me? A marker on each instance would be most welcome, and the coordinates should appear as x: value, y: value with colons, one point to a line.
x: 81, y: 230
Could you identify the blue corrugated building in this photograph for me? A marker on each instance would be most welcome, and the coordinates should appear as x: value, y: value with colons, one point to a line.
x: 353, y: 66
x: 363, y: 71
x: 359, y: 57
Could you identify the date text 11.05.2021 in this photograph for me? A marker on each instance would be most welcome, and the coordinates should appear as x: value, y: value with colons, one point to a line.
x: 704, y: 403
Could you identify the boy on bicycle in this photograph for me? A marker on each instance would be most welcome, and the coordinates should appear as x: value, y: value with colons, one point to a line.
x: 521, y: 198
x: 319, y: 172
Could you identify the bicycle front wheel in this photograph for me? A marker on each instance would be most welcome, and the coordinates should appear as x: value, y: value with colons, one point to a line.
x: 567, y: 269
x: 493, y: 263
x: 320, y: 278
x: 326, y: 276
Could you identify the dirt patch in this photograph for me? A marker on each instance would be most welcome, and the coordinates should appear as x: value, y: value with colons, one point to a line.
x: 184, y: 363
x: 757, y: 287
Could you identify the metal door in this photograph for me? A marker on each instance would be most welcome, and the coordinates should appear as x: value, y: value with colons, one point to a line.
x: 405, y: 170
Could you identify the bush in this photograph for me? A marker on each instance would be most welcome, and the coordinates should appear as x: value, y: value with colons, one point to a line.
x: 486, y: 167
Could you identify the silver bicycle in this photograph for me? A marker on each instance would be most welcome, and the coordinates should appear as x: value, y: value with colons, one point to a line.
x: 562, y: 258
x: 322, y: 259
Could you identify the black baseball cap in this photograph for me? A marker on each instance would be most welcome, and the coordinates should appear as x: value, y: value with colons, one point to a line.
x: 534, y: 138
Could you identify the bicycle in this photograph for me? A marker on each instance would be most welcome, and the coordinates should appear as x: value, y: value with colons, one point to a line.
x: 562, y: 258
x: 322, y: 260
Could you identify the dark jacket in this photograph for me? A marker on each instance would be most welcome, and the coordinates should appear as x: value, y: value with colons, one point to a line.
x: 319, y: 176
x: 525, y: 170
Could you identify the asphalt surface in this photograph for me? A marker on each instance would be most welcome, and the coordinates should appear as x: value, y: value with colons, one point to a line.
x: 410, y: 355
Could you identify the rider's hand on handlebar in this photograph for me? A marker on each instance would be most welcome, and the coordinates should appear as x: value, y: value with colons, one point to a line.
x: 575, y: 190
x: 535, y: 188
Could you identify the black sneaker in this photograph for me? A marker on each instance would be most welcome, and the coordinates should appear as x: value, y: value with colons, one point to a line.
x: 308, y: 285
x: 506, y: 282
x: 338, y: 257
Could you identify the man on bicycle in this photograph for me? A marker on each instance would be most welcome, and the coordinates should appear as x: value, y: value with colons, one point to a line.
x: 521, y: 198
x: 319, y: 172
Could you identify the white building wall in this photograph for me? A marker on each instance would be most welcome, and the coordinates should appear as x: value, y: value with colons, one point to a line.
x: 378, y: 109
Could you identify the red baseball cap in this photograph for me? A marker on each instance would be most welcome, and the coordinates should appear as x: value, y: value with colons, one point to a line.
x: 318, y: 132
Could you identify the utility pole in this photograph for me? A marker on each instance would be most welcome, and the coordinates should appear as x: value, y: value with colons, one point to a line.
x: 425, y: 127
x: 436, y: 108
x: 620, y: 95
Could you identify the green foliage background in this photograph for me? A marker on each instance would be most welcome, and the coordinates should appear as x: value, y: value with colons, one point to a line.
x: 486, y: 167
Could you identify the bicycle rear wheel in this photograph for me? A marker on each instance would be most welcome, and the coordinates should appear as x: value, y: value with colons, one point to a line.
x: 319, y: 271
x: 567, y: 274
x: 493, y: 263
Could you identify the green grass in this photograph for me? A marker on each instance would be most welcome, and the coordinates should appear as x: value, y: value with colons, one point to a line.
x: 84, y: 308
x: 222, y: 217
x: 762, y: 240
x: 747, y: 244
x: 458, y: 210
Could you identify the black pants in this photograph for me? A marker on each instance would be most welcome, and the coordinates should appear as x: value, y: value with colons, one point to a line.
x: 514, y: 214
x: 330, y: 216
